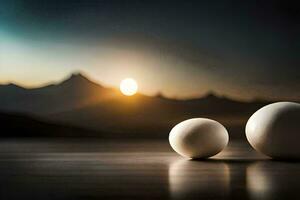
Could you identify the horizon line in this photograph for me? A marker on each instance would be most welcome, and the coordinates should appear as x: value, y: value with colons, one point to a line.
x: 159, y: 93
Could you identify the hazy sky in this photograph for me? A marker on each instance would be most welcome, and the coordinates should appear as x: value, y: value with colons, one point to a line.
x: 242, y: 49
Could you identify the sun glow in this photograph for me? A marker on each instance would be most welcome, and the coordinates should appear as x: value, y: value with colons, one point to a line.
x: 128, y: 87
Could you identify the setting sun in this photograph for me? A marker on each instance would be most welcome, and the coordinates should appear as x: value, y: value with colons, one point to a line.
x: 128, y: 87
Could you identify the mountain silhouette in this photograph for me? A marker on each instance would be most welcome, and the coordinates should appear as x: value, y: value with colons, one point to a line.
x: 79, y: 102
x: 74, y: 92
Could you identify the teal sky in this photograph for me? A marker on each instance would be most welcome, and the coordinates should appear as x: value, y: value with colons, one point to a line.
x: 33, y: 63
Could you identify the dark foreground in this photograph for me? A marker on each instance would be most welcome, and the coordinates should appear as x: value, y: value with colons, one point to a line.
x: 94, y: 169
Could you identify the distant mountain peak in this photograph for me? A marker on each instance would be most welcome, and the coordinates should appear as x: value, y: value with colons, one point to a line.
x: 160, y: 95
x: 211, y: 95
x: 78, y: 75
x: 79, y: 79
x: 12, y: 86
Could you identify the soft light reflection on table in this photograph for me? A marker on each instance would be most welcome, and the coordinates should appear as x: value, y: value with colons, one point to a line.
x: 91, y: 169
x: 188, y: 179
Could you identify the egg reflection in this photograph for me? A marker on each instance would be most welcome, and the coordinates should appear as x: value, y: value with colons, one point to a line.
x: 273, y: 180
x: 194, y: 179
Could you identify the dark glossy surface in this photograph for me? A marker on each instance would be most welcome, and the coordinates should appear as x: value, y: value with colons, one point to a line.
x: 95, y: 169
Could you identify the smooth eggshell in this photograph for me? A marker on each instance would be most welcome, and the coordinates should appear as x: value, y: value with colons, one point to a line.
x: 198, y: 138
x: 274, y: 130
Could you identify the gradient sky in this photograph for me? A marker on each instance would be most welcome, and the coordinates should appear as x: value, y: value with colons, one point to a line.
x: 242, y: 49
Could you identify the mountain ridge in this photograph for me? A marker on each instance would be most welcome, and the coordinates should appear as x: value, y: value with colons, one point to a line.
x: 79, y: 102
x: 79, y: 78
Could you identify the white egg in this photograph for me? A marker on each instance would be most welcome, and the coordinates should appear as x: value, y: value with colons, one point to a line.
x: 198, y: 138
x: 274, y: 130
